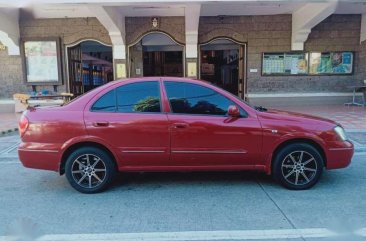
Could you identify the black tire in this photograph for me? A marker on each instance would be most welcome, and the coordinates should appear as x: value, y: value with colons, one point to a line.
x: 289, y: 169
x: 84, y: 170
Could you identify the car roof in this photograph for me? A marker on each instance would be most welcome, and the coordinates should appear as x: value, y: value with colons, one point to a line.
x: 85, y: 98
x: 164, y: 78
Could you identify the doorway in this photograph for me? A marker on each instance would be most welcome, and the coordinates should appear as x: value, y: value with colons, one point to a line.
x: 156, y: 54
x: 163, y: 63
x: 90, y: 65
x: 222, y: 62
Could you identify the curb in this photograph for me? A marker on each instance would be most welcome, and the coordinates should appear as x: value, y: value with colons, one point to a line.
x: 360, y: 149
x: 8, y: 131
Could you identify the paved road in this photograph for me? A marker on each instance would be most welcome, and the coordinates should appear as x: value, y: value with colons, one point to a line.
x: 42, y: 203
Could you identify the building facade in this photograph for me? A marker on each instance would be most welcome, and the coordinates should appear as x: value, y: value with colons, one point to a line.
x: 255, y: 50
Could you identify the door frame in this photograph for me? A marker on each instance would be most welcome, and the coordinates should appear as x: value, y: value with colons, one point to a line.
x: 67, y: 46
x: 243, y: 53
x: 152, y: 32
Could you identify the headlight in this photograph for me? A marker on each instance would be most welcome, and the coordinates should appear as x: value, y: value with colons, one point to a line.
x: 341, y: 133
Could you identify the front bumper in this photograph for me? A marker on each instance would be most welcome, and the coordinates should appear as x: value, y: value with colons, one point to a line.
x: 339, y: 154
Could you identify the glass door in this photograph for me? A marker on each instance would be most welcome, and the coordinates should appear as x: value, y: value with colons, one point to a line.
x: 75, y: 70
x: 222, y: 63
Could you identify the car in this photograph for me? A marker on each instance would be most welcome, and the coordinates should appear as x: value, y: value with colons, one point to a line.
x: 170, y: 124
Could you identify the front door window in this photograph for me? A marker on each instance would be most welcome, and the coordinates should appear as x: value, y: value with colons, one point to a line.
x: 186, y: 98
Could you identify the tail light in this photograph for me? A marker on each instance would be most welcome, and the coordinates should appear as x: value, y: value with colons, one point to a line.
x: 23, y: 125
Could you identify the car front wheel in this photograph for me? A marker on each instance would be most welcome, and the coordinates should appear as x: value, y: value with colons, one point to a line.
x: 298, y: 166
x: 89, y: 170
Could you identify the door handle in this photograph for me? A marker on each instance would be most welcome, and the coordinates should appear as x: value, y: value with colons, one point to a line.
x: 180, y: 125
x: 101, y: 123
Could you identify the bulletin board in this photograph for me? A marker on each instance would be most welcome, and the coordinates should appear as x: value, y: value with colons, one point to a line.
x: 285, y: 63
x: 333, y: 63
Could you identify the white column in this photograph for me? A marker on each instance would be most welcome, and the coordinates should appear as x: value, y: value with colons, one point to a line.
x: 363, y: 28
x: 9, y: 29
x: 307, y: 17
x: 192, y: 18
x: 114, y: 22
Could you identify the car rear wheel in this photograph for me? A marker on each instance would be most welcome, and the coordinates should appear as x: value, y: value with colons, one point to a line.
x: 298, y: 166
x: 89, y: 170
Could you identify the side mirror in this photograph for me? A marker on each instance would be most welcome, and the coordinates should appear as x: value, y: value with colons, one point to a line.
x: 233, y: 111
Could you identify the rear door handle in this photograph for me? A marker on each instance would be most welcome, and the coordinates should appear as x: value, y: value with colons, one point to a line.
x: 180, y: 125
x: 101, y: 123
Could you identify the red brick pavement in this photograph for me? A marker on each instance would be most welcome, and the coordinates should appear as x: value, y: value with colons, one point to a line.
x: 350, y: 117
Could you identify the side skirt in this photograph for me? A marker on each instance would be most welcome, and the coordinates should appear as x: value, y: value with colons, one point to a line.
x: 260, y: 168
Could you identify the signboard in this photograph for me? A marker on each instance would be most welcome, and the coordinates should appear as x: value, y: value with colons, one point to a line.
x: 284, y: 64
x: 121, y: 71
x: 42, y: 61
x: 331, y: 63
x: 192, y: 69
x: 207, y: 69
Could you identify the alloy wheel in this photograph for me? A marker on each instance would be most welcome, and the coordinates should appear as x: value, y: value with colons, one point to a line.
x: 88, y: 171
x: 299, y: 168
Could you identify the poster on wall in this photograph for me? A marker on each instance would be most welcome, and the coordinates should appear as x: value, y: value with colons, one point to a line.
x: 284, y: 64
x: 42, y: 61
x: 207, y: 69
x: 331, y: 63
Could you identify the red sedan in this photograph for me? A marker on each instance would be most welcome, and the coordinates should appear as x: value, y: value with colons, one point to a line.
x: 174, y: 124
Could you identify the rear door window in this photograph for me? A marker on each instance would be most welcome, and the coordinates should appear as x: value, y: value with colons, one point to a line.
x: 139, y: 97
x: 106, y: 103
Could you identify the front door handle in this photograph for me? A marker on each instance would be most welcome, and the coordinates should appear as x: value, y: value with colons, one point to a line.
x: 180, y: 125
x: 101, y: 123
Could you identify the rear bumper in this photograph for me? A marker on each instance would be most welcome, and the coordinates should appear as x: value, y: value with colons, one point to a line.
x: 339, y: 154
x: 45, y: 159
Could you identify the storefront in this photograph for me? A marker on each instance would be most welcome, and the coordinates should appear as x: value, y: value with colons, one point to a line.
x: 156, y: 54
x: 268, y: 53
x: 222, y: 62
x: 90, y: 64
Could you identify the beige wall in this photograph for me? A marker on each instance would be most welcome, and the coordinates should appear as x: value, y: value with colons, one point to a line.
x: 273, y: 34
x: 11, y: 77
x: 137, y: 27
x: 261, y: 33
x: 68, y: 30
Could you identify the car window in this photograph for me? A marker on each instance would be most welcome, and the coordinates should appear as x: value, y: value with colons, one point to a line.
x: 106, y: 103
x: 195, y: 99
x: 139, y: 97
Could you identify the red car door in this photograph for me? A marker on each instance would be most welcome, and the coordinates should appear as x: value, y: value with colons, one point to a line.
x: 201, y: 132
x: 130, y: 119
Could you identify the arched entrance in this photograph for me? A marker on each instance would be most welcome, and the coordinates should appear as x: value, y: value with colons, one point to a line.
x: 222, y: 62
x: 90, y: 64
x: 156, y: 54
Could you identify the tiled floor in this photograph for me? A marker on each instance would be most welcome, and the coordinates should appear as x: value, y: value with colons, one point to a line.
x: 350, y: 117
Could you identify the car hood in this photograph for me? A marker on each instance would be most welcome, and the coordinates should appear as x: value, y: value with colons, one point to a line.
x: 287, y: 116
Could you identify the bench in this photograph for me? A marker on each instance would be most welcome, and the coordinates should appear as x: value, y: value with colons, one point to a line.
x: 23, y: 101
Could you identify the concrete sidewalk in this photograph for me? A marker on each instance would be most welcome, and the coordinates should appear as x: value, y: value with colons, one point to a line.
x: 8, y: 123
